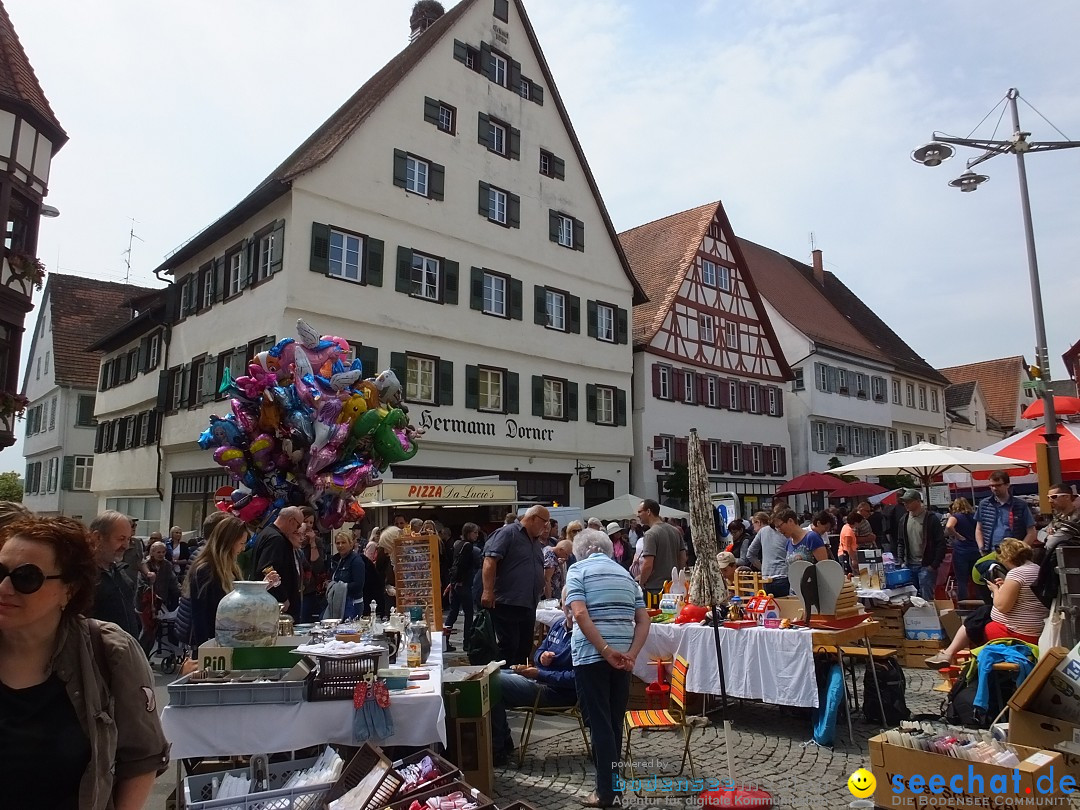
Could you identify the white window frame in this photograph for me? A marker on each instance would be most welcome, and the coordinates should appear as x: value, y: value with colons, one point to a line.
x: 425, y: 277
x: 52, y: 474
x: 731, y: 335
x: 708, y: 328
x: 755, y: 399
x: 935, y: 402
x: 605, y: 405
x: 841, y: 378
x: 605, y: 323
x: 208, y: 289
x: 420, y: 379
x: 545, y: 163
x: 890, y: 441
x: 708, y: 273
x: 83, y: 477
x: 497, y: 137
x: 877, y: 387
x: 265, y: 253
x: 667, y: 445
x: 499, y: 69
x: 909, y: 390
x: 236, y: 273
x: 688, y: 387
x: 712, y: 392
x: 773, y: 402
x: 346, y: 245
x: 554, y: 398
x: 723, y: 278
x: 736, y: 457
x: 819, y: 437
x: 490, y: 386
x: 664, y: 380
x: 525, y: 90
x: 774, y: 455
x: 798, y: 382
x: 856, y: 441
x: 714, y: 456
x: 922, y: 397
x: 446, y: 118
x: 494, y: 295
x: 906, y: 438
x: 555, y: 303
x: 755, y: 457
x: 417, y: 172
x: 860, y: 384
x: 896, y: 399
x: 498, y: 205
x: 733, y: 395
x: 155, y: 348
x: 566, y: 231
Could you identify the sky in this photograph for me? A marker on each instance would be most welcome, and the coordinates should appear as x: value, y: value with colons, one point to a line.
x: 798, y: 114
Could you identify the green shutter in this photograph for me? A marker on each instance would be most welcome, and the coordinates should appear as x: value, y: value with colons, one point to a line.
x: 485, y: 190
x: 249, y: 262
x: 320, y: 248
x: 591, y: 327
x: 431, y: 110
x: 399, y: 364
x: 485, y: 61
x: 472, y: 387
x: 476, y: 289
x: 403, y: 282
x: 446, y: 383
x: 369, y: 358
x: 483, y: 129
x: 163, y: 403
x: 220, y: 283
x: 571, y: 402
x: 620, y: 407
x: 540, y: 305
x: 579, y: 235
x: 460, y: 50
x: 436, y: 181
x: 209, y: 379
x: 450, y: 282
x: 513, y: 76
x: 558, y: 168
x: 575, y: 315
x: 373, y: 269
x: 513, y: 210
x: 399, y: 168
x: 515, y: 144
x: 144, y: 353
x: 590, y: 403
x: 512, y: 385
x: 67, y: 476
x: 537, y: 396
x: 277, y: 249
x: 516, y: 302
x: 536, y: 93
x: 622, y: 325
x: 553, y: 225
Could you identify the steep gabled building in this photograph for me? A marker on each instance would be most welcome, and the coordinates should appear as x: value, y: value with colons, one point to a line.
x: 705, y: 356
x: 1001, y: 382
x: 60, y: 382
x: 968, y: 424
x: 445, y: 222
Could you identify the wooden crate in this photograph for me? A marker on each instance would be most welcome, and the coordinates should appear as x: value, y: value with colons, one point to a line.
x: 915, y: 653
x: 748, y: 583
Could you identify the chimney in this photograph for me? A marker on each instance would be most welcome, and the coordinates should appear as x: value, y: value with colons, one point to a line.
x: 819, y: 269
x: 424, y: 13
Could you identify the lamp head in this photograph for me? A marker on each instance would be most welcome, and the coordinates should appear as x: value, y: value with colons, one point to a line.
x: 932, y: 154
x: 968, y: 181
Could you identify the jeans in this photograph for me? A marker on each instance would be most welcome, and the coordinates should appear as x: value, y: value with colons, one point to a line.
x: 603, y: 692
x: 925, y: 580
x: 963, y: 559
x: 517, y: 690
x: 460, y: 600
x: 779, y: 587
x: 514, y: 626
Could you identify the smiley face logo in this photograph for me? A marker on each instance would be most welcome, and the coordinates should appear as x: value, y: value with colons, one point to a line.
x: 861, y: 783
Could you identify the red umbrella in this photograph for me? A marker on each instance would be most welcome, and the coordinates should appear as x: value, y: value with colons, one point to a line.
x: 1022, y: 446
x: 810, y: 482
x: 1063, y: 406
x: 857, y: 489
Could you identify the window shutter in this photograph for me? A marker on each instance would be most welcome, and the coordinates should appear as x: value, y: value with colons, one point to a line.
x: 512, y: 385
x: 476, y: 289
x: 185, y: 383
x: 537, y: 395
x: 575, y: 315
x: 277, y: 248
x: 590, y: 403
x: 250, y: 261
x: 731, y: 403
x: 218, y: 274
x: 369, y: 359
x: 99, y: 435
x: 320, y: 248
x: 747, y: 458
x: 540, y: 305
x: 446, y: 382
x: 515, y: 143
x: 622, y: 325
x: 400, y: 366
x: 460, y: 50
x: 677, y: 385
x: 571, y: 402
x: 656, y: 380
x: 558, y: 168
x: 703, y: 389
x: 537, y: 95
x: 834, y: 384
x: 472, y: 387
x: 744, y: 396
x: 766, y: 459
x: 513, y: 210
x: 817, y: 376
x: 67, y: 477
x: 163, y: 388
x: 431, y: 109
x: 579, y: 235
x: 450, y: 282
x: 483, y: 130
x: 403, y: 280
x: 485, y: 190
x: 373, y: 267
x: 485, y: 61
x: 436, y: 180
x: 783, y: 461
x: 830, y: 439
x: 399, y: 168
x: 514, y: 75
x: 144, y: 354
x: 682, y: 450
x: 517, y: 305
x: 106, y: 368
x: 553, y: 225
x: 591, y: 315
x: 172, y: 303
x: 620, y: 407
x: 502, y: 10
x: 209, y: 379
x: 135, y: 363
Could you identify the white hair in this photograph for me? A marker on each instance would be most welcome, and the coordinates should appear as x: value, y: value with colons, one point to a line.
x: 595, y: 523
x: 588, y: 541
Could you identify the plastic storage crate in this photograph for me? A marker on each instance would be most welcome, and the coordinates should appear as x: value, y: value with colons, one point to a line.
x: 448, y: 770
x: 370, y: 771
x: 199, y: 789
x: 208, y: 689
x: 336, y: 678
x: 474, y: 795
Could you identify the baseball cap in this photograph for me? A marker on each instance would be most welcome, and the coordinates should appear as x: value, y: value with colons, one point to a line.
x: 725, y: 558
x: 911, y: 495
x: 613, y: 528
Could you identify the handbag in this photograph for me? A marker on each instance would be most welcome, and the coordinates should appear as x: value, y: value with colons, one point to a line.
x: 482, y: 646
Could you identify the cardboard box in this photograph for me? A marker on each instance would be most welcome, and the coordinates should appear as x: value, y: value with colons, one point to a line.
x: 1038, y: 731
x: 468, y: 691
x: 922, y: 623
x: 468, y: 745
x: 1059, y: 697
x: 951, y: 622
x: 1037, y: 779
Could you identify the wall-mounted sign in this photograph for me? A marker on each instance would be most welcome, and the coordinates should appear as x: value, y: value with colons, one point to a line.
x: 431, y: 492
x: 509, y: 428
x: 501, y: 34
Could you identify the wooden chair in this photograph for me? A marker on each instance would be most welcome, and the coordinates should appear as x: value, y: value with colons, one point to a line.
x: 674, y: 717
x: 531, y: 713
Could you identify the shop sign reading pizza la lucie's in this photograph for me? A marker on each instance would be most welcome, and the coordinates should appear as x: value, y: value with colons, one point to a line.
x: 483, y: 427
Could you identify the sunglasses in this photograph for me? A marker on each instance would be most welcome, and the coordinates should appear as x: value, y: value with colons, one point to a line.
x: 26, y: 578
x: 1059, y: 495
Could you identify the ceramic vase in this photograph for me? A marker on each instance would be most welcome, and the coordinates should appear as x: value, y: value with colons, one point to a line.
x: 247, y: 616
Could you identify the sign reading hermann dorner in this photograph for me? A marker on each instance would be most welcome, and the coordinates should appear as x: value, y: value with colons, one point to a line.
x: 483, y: 427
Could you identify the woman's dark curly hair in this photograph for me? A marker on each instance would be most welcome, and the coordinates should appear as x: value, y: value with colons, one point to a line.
x: 75, y: 554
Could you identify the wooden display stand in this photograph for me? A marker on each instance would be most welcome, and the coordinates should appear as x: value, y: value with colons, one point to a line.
x: 416, y: 576
x: 748, y: 583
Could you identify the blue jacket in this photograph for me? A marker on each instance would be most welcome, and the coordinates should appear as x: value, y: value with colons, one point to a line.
x: 1004, y: 650
x: 560, y: 674
x: 350, y: 570
x: 1020, y: 519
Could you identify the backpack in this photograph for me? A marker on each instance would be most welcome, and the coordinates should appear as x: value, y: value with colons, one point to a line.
x: 481, y: 644
x: 959, y: 706
x: 893, y: 688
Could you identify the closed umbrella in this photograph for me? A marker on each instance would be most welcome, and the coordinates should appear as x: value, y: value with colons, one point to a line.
x: 810, y: 482
x: 707, y: 585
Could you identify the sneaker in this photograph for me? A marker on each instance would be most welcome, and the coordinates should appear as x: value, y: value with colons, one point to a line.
x: 939, y: 661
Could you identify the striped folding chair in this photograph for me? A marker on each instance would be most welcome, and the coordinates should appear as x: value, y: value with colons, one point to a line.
x: 674, y: 717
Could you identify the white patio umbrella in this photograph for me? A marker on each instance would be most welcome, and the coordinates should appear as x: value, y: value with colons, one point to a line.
x: 625, y: 507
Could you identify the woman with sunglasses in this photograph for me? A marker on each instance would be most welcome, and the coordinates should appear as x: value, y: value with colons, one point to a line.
x: 212, y: 575
x: 78, y: 721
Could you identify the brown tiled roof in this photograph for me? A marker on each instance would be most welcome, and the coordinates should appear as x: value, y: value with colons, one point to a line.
x: 830, y: 314
x: 999, y: 382
x: 958, y: 395
x: 83, y: 310
x: 19, y: 85
x: 328, y: 138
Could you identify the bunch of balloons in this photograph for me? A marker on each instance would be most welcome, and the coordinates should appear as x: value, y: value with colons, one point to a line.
x: 304, y: 429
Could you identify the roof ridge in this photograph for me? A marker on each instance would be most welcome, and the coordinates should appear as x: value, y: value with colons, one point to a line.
x: 670, y: 216
x: 20, y: 84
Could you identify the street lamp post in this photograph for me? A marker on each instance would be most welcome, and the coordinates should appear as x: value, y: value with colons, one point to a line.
x: 941, y: 149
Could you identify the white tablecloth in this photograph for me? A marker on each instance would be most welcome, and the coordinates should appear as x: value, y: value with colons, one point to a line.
x: 202, y: 731
x: 776, y: 666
